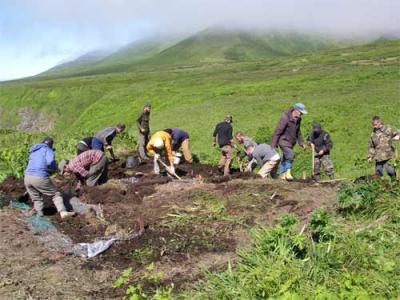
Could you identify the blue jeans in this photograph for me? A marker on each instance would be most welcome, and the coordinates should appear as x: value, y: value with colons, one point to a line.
x: 97, y: 144
x: 285, y: 165
x: 287, y: 159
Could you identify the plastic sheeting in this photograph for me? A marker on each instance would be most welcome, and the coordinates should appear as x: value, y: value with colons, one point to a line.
x: 54, y: 240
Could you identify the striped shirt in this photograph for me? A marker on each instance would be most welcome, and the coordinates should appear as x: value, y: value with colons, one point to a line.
x: 81, y: 164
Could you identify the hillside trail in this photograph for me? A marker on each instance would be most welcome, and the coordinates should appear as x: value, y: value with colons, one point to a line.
x: 192, y: 225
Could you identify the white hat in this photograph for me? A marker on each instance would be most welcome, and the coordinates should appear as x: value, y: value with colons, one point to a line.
x: 158, y: 143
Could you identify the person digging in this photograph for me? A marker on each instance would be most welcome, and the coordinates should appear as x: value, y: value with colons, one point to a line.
x: 243, y: 159
x: 180, y: 141
x: 223, y: 136
x: 161, y: 143
x: 143, y: 125
x: 287, y: 134
x: 265, y: 157
x: 89, y: 167
x: 103, y: 139
x: 84, y: 145
x: 321, y: 142
x: 380, y: 147
x: 41, y: 165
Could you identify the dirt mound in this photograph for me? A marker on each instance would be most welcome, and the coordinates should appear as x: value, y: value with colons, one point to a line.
x: 12, y: 186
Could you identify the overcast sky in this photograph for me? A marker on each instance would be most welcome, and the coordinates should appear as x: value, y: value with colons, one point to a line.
x: 37, y: 34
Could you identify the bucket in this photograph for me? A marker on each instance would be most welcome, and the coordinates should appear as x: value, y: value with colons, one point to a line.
x: 131, y: 162
x: 177, y: 158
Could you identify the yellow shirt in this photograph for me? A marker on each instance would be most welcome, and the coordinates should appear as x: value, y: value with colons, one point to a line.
x: 167, y: 139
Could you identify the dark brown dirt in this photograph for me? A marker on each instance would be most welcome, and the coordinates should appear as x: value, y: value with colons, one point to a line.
x: 12, y: 186
x: 190, y: 226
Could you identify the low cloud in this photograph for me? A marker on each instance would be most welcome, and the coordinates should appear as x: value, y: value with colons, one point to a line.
x: 68, y: 28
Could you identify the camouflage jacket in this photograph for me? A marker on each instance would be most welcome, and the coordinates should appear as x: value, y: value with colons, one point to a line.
x: 380, y: 143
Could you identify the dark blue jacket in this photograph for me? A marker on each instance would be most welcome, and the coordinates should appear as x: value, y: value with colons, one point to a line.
x: 41, y: 161
x: 178, y: 136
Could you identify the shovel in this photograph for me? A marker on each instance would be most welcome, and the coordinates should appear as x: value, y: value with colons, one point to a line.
x: 169, y: 170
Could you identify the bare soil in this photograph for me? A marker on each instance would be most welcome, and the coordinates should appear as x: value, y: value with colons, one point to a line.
x: 190, y: 226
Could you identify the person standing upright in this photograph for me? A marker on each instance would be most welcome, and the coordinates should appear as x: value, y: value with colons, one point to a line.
x: 143, y: 125
x: 286, y: 135
x: 321, y: 141
x: 223, y: 136
x: 380, y: 148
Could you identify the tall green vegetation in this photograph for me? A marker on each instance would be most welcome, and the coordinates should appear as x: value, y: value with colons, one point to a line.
x: 346, y: 254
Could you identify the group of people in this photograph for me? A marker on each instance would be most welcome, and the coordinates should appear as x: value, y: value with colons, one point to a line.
x: 287, y: 134
x: 91, y: 163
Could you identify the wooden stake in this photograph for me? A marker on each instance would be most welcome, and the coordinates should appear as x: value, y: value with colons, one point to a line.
x: 312, y: 159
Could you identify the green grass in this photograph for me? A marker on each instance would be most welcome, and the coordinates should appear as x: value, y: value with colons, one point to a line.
x: 342, y: 89
x: 335, y: 256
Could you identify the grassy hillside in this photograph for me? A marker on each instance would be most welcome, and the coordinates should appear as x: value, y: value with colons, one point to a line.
x: 118, y: 61
x: 222, y: 45
x: 212, y: 45
x: 79, y: 64
x: 341, y: 88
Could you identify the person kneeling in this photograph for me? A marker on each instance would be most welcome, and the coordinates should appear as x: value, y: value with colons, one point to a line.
x: 265, y: 157
x: 90, y: 168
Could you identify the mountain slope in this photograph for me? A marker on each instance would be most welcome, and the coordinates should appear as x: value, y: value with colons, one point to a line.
x: 221, y: 45
x: 79, y: 64
x: 113, y: 62
x: 209, y: 46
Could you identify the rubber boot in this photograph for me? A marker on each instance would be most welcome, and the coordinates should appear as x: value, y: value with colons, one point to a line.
x: 288, y: 175
x: 67, y: 214
x: 316, y: 178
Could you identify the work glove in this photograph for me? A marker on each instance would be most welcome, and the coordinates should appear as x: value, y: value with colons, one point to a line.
x: 157, y: 156
x: 248, y: 168
x: 370, y: 159
x: 108, y: 147
x: 172, y: 168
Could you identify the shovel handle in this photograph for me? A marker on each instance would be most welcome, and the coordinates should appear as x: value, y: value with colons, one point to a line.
x: 168, y: 169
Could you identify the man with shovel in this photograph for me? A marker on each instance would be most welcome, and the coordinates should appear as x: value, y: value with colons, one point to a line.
x: 380, y: 148
x: 321, y: 145
x: 161, y: 143
x: 105, y: 137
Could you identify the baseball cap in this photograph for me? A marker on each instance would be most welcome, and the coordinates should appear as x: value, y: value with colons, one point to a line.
x: 301, y: 108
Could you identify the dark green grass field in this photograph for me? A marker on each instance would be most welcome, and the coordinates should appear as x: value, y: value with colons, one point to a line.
x: 342, y: 89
